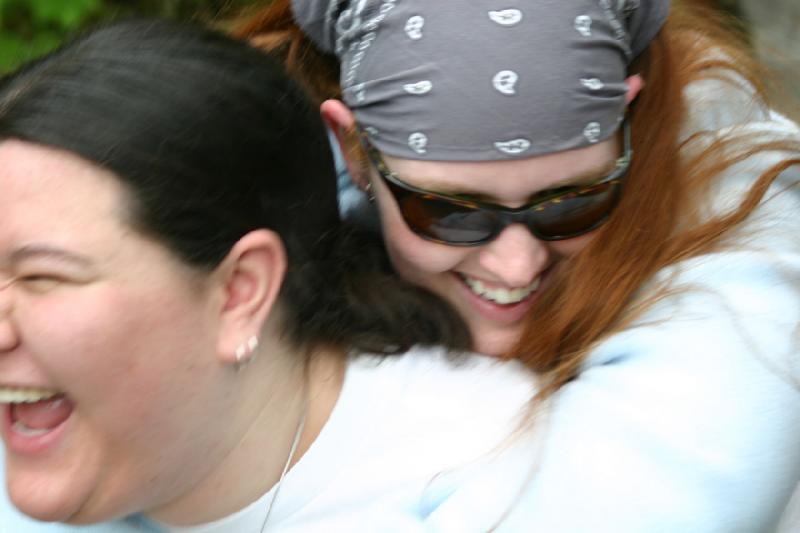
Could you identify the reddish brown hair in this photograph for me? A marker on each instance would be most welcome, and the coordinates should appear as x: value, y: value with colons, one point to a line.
x: 658, y: 221
x: 274, y: 30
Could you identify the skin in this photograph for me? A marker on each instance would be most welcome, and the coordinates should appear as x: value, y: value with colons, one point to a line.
x: 144, y: 348
x: 515, y: 259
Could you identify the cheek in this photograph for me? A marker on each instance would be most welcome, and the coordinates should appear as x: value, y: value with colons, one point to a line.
x: 115, y: 353
x: 569, y: 247
x: 414, y: 258
x: 149, y: 404
x: 136, y: 364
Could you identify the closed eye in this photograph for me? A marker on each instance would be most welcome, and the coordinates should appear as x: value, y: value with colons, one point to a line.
x: 39, y: 282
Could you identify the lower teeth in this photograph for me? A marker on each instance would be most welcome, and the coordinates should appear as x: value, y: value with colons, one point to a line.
x: 19, y: 427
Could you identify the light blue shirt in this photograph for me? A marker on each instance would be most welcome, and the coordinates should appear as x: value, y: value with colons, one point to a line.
x: 689, y: 420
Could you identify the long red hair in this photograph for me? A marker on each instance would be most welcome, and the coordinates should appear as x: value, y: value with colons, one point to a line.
x: 659, y: 221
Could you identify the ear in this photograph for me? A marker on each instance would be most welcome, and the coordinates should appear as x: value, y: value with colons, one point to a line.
x: 340, y: 119
x: 250, y: 277
x: 635, y: 84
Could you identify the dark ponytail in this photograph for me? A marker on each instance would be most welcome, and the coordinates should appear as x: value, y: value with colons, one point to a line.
x: 373, y: 310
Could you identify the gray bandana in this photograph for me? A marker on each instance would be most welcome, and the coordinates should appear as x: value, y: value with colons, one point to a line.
x: 461, y: 80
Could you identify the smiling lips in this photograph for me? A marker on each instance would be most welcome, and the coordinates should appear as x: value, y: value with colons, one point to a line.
x: 501, y: 295
x: 35, y: 411
x: 25, y: 394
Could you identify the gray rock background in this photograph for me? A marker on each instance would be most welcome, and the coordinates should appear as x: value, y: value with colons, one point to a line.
x: 774, y: 27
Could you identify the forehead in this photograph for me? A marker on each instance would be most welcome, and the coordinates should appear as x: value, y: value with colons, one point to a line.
x: 52, y: 193
x: 509, y: 180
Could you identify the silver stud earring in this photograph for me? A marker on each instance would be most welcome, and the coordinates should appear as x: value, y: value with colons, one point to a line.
x: 241, y: 352
x: 252, y: 343
x: 368, y: 192
x: 245, y: 351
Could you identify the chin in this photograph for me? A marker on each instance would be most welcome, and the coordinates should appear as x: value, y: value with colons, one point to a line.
x: 70, y: 509
x: 496, y: 346
x: 52, y: 496
x: 499, y: 340
x: 45, y: 506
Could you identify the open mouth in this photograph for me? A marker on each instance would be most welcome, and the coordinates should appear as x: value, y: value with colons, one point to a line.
x: 35, y: 412
x: 501, y: 295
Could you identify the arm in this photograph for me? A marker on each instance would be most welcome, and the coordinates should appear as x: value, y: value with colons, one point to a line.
x: 688, y: 422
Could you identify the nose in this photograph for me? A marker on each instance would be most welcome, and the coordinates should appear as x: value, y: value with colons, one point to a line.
x: 8, y: 336
x: 515, y: 257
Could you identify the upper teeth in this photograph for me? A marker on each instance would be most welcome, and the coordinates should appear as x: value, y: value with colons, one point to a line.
x: 25, y: 395
x: 501, y: 295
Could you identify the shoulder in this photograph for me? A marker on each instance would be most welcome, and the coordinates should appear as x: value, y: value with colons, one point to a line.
x: 400, y: 423
x: 684, y: 420
x: 721, y: 100
x: 433, y: 361
x: 443, y: 410
x: 700, y: 394
x: 449, y: 385
x: 684, y: 415
x: 733, y: 313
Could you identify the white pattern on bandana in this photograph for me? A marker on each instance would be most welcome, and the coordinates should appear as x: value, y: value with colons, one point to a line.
x: 418, y: 142
x: 352, y: 16
x: 583, y: 23
x: 592, y: 132
x: 506, y: 17
x: 420, y: 87
x: 414, y: 27
x: 505, y: 82
x: 593, y: 84
x: 514, y: 146
x: 619, y: 31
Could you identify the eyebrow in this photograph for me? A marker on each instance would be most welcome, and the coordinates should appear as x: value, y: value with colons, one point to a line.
x: 49, y: 252
x: 580, y: 180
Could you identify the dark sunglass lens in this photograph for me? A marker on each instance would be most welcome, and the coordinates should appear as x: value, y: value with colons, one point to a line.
x: 575, y: 215
x: 444, y: 221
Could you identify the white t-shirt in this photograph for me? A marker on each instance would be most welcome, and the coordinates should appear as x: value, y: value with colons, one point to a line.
x: 399, y: 424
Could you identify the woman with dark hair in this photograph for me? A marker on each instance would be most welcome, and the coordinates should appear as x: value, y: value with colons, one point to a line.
x: 602, y: 191
x: 189, y: 338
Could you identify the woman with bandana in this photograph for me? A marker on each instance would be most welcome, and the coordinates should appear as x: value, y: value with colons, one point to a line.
x: 602, y: 191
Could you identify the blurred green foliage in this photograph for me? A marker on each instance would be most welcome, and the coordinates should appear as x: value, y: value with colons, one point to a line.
x: 29, y: 28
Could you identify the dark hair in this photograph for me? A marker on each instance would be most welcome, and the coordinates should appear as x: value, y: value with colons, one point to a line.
x: 213, y: 140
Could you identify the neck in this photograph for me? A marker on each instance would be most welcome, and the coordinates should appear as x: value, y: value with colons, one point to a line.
x: 267, y: 421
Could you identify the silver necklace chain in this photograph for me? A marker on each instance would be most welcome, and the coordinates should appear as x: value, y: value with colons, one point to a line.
x: 295, y: 442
